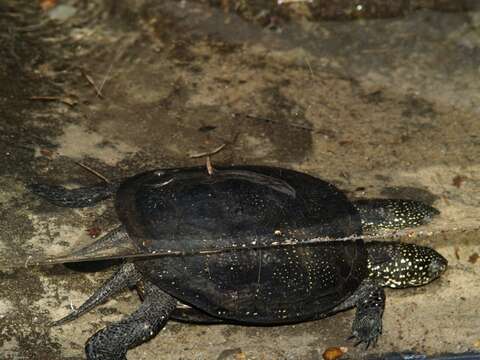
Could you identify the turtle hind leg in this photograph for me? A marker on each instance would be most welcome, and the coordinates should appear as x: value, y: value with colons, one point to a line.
x: 112, y: 342
x: 126, y: 276
x: 378, y: 215
x: 74, y: 198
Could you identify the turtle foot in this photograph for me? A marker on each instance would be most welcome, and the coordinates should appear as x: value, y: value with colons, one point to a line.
x: 367, y: 328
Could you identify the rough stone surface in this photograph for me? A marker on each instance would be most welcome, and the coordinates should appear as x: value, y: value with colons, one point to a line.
x: 381, y: 107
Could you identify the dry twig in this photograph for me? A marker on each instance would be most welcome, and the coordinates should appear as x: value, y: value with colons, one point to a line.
x: 208, y: 153
x: 94, y: 172
x: 66, y: 100
x: 91, y: 82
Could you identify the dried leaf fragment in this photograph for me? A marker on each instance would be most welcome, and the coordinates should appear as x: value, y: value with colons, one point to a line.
x: 240, y: 356
x: 47, y: 4
x: 334, y: 353
x: 472, y: 259
x: 458, y: 180
x: 46, y: 152
x: 94, y: 232
x: 457, y: 252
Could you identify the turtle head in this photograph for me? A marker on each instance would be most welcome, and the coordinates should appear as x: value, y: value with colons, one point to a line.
x: 400, y: 265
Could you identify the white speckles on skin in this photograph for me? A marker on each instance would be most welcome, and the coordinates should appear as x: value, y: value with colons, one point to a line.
x: 383, y: 214
x: 407, y: 266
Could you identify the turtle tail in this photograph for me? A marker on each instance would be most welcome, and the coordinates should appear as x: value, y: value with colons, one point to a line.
x: 74, y: 198
x: 393, y: 214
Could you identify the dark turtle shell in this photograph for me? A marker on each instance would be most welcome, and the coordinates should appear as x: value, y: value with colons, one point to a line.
x: 239, y: 207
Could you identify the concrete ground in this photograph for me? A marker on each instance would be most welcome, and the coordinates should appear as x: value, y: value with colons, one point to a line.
x: 384, y: 105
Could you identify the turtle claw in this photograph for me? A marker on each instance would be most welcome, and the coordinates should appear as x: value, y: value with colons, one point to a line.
x: 367, y: 325
x: 351, y: 337
x: 369, y: 340
x: 368, y: 343
x: 357, y: 343
x: 366, y: 330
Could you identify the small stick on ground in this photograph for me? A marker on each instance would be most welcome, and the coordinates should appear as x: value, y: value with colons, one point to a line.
x: 91, y: 82
x: 309, y: 67
x: 207, y: 153
x: 102, y: 84
x: 210, y: 169
x: 94, y: 172
x: 28, y: 259
x: 66, y: 100
x: 280, y: 2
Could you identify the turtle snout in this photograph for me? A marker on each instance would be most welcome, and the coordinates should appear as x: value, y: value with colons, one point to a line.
x: 437, y: 266
x: 426, y: 213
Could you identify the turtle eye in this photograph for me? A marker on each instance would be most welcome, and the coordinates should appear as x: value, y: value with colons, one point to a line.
x: 427, y: 265
x: 437, y: 266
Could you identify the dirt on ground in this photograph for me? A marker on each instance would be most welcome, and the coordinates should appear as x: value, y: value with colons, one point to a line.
x: 381, y: 101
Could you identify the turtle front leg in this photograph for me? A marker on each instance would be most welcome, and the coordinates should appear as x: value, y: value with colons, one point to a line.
x: 369, y: 299
x: 112, y: 342
x: 367, y: 325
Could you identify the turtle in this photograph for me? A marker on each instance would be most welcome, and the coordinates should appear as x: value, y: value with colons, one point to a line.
x: 246, y: 235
